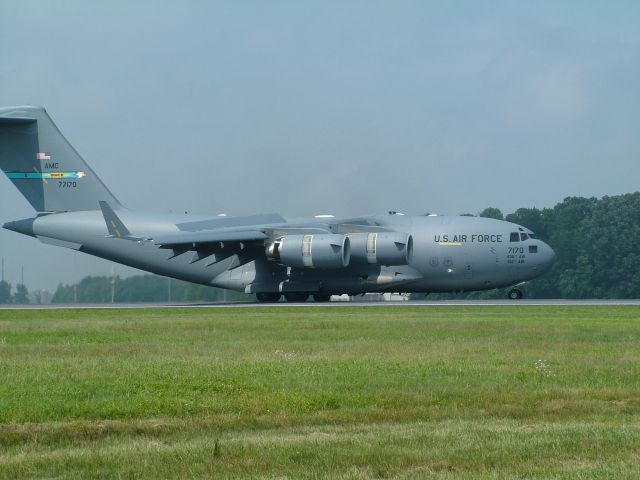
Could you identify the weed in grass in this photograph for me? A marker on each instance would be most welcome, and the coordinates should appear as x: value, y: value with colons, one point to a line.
x: 543, y: 368
x: 216, y: 448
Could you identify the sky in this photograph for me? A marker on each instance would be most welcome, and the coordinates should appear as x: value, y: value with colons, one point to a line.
x: 325, y: 107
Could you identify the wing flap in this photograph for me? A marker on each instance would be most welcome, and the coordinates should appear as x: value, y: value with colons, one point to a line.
x: 203, y: 237
x: 173, y: 240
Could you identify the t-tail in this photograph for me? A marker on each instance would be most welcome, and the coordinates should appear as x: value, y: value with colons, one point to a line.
x: 44, y: 166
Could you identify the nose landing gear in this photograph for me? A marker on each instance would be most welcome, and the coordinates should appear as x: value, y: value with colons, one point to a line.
x: 514, y: 294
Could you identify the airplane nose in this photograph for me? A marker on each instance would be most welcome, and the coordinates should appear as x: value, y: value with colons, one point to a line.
x: 549, y: 256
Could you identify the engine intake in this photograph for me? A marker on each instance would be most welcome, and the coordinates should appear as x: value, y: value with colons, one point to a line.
x: 383, y: 248
x: 324, y: 251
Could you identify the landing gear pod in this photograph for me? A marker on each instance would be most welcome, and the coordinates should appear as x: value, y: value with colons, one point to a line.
x: 383, y: 248
x: 324, y: 252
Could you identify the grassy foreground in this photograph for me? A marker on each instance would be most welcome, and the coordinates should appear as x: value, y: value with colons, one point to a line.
x: 410, y: 392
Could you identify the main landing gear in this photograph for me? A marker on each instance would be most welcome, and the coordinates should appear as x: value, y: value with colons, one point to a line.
x: 268, y: 297
x: 271, y: 297
x: 296, y: 297
x: 514, y: 294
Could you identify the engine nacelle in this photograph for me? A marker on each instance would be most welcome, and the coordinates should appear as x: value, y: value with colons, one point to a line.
x: 323, y: 251
x: 381, y: 248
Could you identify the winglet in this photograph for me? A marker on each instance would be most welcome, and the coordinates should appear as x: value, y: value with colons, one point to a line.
x: 114, y: 225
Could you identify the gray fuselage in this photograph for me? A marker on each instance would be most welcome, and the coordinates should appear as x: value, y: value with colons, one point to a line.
x: 450, y: 253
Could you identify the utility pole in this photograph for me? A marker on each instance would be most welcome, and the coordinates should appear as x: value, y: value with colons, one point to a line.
x: 168, y: 289
x: 75, y: 276
x: 22, y: 275
x: 3, y: 269
x: 113, y: 283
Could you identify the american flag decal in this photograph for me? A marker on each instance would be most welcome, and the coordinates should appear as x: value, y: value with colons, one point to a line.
x: 43, y: 156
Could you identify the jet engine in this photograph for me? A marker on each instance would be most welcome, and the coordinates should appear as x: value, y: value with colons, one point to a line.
x: 383, y: 248
x: 323, y: 251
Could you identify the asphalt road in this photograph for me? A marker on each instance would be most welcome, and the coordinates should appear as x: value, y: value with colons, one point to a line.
x: 442, y: 303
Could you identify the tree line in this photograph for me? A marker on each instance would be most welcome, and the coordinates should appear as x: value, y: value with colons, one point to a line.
x: 20, y: 296
x: 141, y: 288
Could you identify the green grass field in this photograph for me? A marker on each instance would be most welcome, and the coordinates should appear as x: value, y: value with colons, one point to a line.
x: 410, y: 392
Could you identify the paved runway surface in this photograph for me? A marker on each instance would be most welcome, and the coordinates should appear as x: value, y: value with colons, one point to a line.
x: 442, y: 303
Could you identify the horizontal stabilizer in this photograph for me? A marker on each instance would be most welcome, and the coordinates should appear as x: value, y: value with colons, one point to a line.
x: 115, y: 226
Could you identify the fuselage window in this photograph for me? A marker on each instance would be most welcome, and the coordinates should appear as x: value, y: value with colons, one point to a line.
x: 523, y: 237
x: 514, y: 237
x: 533, y: 248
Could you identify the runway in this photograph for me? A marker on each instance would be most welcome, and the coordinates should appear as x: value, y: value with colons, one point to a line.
x: 400, y: 304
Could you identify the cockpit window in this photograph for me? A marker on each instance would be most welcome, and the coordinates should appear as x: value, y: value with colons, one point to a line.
x: 514, y: 237
x: 533, y: 235
x: 523, y: 237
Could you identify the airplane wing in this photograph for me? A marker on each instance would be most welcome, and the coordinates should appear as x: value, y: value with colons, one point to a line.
x: 257, y: 233
x: 220, y: 244
x: 214, y: 233
x: 194, y: 236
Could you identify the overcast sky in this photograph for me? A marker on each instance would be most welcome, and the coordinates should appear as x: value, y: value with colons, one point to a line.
x: 317, y: 107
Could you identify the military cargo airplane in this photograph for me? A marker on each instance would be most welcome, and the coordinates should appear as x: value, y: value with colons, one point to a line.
x: 266, y: 254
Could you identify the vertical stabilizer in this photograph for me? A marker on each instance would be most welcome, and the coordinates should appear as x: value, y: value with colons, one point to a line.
x: 44, y: 166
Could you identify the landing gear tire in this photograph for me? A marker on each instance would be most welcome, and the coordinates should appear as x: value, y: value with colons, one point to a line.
x: 514, y: 294
x: 321, y: 297
x: 296, y: 297
x: 268, y: 297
